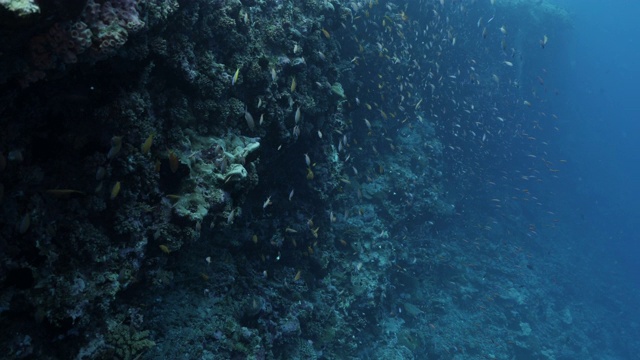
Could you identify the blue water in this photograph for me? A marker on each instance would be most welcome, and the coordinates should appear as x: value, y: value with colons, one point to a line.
x: 602, y: 132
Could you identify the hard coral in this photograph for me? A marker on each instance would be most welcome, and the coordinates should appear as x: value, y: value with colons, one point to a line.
x: 102, y: 28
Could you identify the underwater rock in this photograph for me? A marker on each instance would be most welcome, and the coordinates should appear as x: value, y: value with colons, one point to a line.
x: 20, y: 8
x: 216, y: 164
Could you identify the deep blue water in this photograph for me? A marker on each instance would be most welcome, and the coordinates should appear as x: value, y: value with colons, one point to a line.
x: 602, y: 113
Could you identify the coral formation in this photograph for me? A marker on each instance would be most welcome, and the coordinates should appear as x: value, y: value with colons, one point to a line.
x: 264, y: 180
x: 20, y: 7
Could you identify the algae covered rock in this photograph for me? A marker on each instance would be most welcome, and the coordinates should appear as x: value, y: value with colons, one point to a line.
x: 219, y: 167
x: 20, y: 8
x: 128, y: 343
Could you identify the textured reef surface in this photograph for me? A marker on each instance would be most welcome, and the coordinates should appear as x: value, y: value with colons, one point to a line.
x: 286, y: 179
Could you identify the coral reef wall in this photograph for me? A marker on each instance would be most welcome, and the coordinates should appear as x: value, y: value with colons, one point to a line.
x: 262, y: 164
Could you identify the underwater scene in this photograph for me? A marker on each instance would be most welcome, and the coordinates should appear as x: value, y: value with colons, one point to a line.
x: 319, y: 179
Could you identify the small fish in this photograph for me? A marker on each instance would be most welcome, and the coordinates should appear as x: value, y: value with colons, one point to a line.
x: 267, y: 202
x: 503, y: 29
x: 544, y: 41
x: 293, y: 84
x: 298, y: 275
x: 508, y: 63
x: 291, y: 194
x: 368, y: 124
x: 274, y: 76
x: 527, y: 103
x: 290, y: 230
x: 326, y: 33
x: 307, y: 160
x: 235, y: 77
x: 115, y: 190
x: 254, y: 238
x: 319, y: 134
x: 116, y: 145
x: 249, y: 119
x: 64, y: 193
x: 146, y: 146
x: 25, y: 222
x: 165, y: 249
x: 298, y: 115
x: 231, y: 216
x: 101, y: 172
x: 309, y: 174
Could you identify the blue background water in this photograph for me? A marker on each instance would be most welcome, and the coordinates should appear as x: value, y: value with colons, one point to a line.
x: 602, y: 114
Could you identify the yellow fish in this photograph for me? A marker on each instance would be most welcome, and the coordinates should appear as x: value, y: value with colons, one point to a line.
x: 115, y: 190
x: 235, y: 77
x: 146, y: 146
